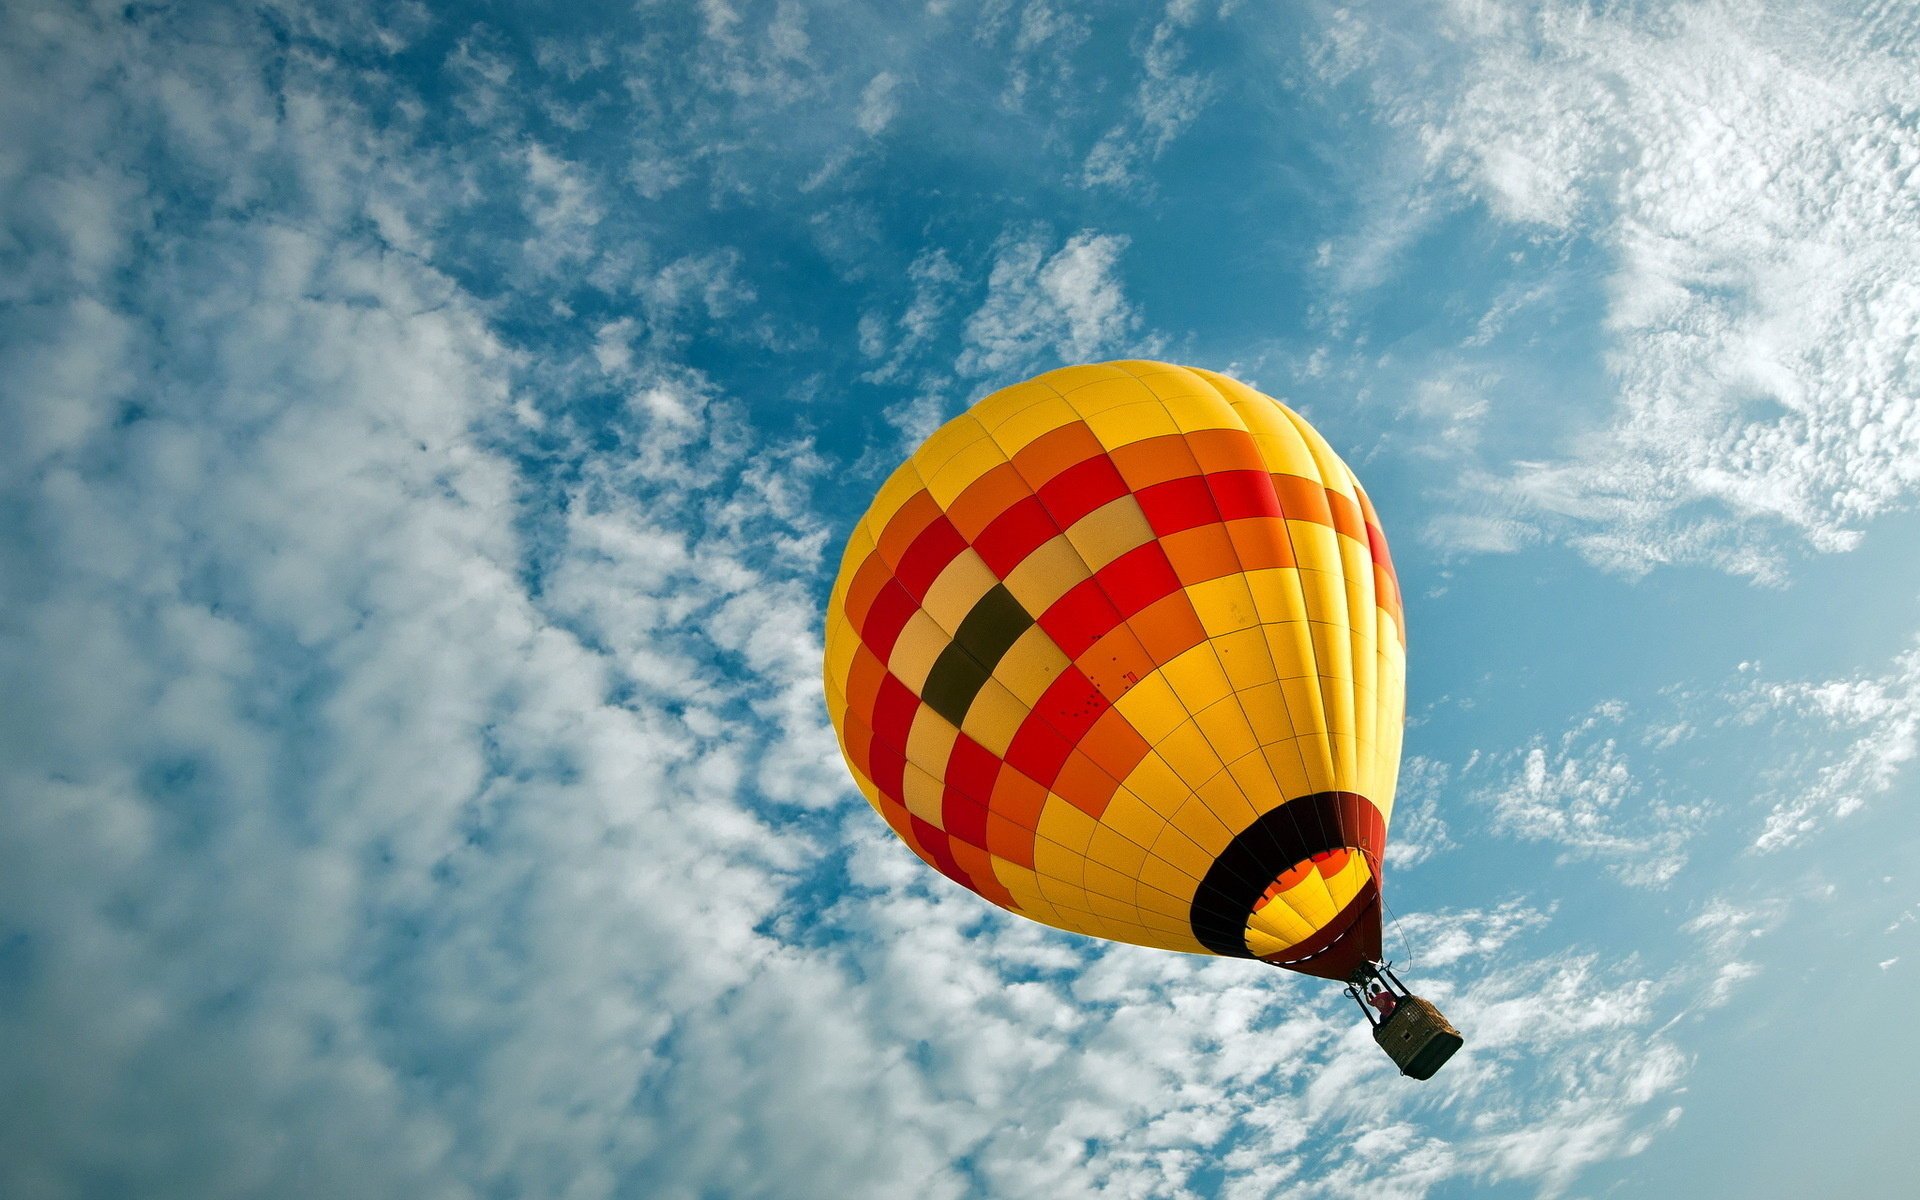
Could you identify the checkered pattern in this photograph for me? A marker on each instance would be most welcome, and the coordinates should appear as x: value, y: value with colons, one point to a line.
x: 1121, y: 650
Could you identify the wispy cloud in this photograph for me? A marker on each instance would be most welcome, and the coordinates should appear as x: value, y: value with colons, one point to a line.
x: 1877, y: 716
x: 1066, y: 302
x: 1580, y: 793
x: 1166, y: 100
x: 1737, y: 166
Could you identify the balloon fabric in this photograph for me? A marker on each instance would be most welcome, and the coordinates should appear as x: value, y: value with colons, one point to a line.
x: 1121, y: 649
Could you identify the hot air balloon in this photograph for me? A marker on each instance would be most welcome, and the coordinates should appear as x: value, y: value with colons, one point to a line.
x: 1121, y: 649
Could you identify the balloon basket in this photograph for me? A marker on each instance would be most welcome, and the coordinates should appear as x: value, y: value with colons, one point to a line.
x: 1417, y: 1037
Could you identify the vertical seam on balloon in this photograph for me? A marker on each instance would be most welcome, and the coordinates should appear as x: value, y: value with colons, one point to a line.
x: 1035, y: 711
x: 1212, y: 501
x: 1312, y: 650
x: 1225, y: 765
x: 1124, y: 620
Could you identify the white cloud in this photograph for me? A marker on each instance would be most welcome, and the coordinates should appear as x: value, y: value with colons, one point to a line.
x: 1580, y: 794
x: 1419, y: 831
x: 1879, y: 717
x: 878, y: 103
x: 1165, y: 101
x: 1068, y: 303
x: 1741, y: 168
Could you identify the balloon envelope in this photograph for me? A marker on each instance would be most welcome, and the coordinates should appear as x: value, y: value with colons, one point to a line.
x: 1121, y: 650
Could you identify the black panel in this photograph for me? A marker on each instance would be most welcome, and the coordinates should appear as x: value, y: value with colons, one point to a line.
x: 993, y: 625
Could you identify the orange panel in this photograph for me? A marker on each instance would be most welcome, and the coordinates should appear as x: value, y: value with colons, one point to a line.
x: 986, y: 498
x: 1226, y: 450
x: 863, y: 682
x: 1201, y: 553
x: 1261, y: 543
x: 1010, y: 841
x: 1116, y: 662
x: 1085, y: 785
x: 1155, y: 460
x: 1303, y: 499
x: 867, y: 582
x: 1114, y: 744
x: 1055, y: 451
x: 1017, y: 798
x: 907, y: 524
x: 1169, y: 627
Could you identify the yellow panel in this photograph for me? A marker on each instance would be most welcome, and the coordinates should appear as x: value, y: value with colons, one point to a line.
x: 1315, y: 751
x: 901, y: 486
x: 930, y: 741
x: 842, y: 648
x: 1110, y: 531
x: 1226, y: 729
x: 1389, y: 632
x: 969, y: 463
x: 916, y: 650
x: 1265, y: 706
x: 1158, y: 784
x: 1030, y: 665
x: 1063, y: 823
x: 1023, y: 883
x: 1182, y: 851
x: 1245, y: 658
x: 922, y: 793
x: 1105, y: 395
x: 1256, y: 781
x: 957, y: 589
x: 1161, y: 909
x: 994, y: 718
x: 1023, y: 427
x: 1366, y: 717
x: 1277, y: 920
x: 1178, y: 874
x: 1223, y: 604
x: 1102, y: 880
x: 1333, y: 472
x: 1189, y: 753
x: 1203, y: 408
x: 996, y: 408
x: 1174, y: 384
x: 1289, y: 770
x: 1224, y: 797
x: 1112, y: 848
x: 1304, y: 705
x: 1196, y: 820
x: 1116, y: 910
x: 1347, y: 882
x: 1326, y: 593
x: 1067, y: 379
x: 1312, y: 901
x: 1332, y: 648
x: 945, y: 442
x: 1054, y: 861
x: 1128, y: 817
x: 1276, y: 594
x: 1151, y: 708
x: 1046, y: 575
x: 1117, y: 427
x: 1197, y: 678
x: 1278, y: 440
x: 1070, y: 900
x: 1346, y: 757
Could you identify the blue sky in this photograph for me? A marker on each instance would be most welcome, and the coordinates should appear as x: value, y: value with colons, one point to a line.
x: 430, y: 431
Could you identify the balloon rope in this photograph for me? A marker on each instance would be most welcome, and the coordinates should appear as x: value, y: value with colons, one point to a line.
x: 1405, y: 943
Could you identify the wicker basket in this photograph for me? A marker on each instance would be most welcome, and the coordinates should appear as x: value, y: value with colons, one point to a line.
x: 1417, y: 1037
